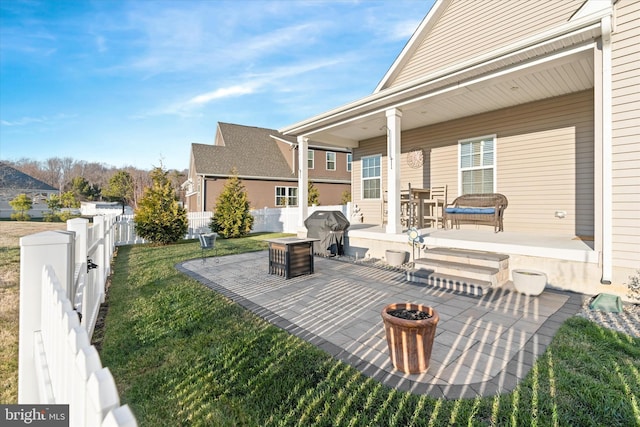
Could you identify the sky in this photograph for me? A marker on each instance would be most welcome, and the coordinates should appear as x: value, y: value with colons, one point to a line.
x: 135, y: 83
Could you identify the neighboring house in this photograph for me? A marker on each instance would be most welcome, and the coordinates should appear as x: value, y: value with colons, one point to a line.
x: 539, y: 101
x: 267, y: 164
x: 13, y: 183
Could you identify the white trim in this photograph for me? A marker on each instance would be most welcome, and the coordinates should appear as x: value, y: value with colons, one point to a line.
x: 379, y: 155
x: 335, y: 160
x: 607, y: 154
x: 586, y: 28
x: 494, y: 166
x: 313, y: 158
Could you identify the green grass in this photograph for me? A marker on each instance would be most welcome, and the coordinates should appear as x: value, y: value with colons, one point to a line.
x: 183, y: 355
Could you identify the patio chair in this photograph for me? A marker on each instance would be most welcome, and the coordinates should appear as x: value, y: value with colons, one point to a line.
x: 434, y: 206
x: 208, y: 242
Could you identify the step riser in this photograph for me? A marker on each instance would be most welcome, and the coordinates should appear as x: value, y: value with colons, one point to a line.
x: 465, y: 287
x: 493, y: 278
x: 496, y: 279
x: 499, y: 264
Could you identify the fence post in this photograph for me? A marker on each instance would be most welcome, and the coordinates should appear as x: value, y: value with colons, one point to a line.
x: 80, y: 226
x: 54, y: 248
x: 101, y: 259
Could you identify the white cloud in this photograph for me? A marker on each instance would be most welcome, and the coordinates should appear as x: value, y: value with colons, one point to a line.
x: 25, y: 121
x: 224, y: 92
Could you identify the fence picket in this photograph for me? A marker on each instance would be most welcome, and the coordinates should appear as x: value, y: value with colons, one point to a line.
x: 57, y: 363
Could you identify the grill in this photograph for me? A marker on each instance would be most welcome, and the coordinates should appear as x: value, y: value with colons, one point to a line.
x: 328, y: 227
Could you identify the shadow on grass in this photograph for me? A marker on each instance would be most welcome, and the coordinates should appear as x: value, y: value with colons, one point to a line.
x: 183, y: 355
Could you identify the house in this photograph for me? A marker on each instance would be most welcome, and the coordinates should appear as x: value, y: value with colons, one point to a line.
x: 539, y: 101
x: 267, y: 163
x: 13, y: 183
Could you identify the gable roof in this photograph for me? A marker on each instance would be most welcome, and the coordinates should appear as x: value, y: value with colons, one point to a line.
x: 11, y: 178
x: 251, y: 150
x: 438, y: 42
x: 561, y: 56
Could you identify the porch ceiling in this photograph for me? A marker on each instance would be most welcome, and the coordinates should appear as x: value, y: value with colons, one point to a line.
x: 552, y: 76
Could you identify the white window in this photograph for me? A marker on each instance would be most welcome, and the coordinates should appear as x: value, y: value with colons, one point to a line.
x: 310, y: 155
x: 286, y: 196
x: 349, y: 160
x: 371, y: 177
x: 331, y: 161
x: 477, y: 165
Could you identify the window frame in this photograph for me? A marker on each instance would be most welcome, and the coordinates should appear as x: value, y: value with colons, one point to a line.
x: 327, y: 161
x: 287, y: 194
x: 482, y: 166
x: 363, y: 179
x: 349, y: 162
x: 311, y: 159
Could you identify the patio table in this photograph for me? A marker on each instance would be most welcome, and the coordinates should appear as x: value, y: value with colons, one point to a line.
x: 291, y: 256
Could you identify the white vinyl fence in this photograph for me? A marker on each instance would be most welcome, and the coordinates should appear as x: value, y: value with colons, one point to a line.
x: 125, y: 230
x: 62, y: 284
x: 285, y: 220
x: 267, y: 220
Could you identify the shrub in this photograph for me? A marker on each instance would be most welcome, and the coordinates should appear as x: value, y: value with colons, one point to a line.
x: 634, y: 286
x: 21, y: 204
x: 232, y: 217
x: 159, y: 218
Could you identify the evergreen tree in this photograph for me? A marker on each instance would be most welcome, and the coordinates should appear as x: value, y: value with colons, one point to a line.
x: 159, y: 217
x: 21, y: 204
x: 231, y: 217
x: 314, y: 194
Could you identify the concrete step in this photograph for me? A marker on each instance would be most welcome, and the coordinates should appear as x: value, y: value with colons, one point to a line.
x: 492, y: 275
x: 482, y: 258
x: 463, y: 285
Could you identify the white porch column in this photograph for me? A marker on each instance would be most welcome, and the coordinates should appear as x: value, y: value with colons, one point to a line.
x: 303, y: 178
x: 394, y: 121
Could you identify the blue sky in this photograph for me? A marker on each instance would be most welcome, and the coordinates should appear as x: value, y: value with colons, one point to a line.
x: 136, y: 82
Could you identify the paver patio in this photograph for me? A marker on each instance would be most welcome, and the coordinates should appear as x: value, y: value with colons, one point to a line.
x: 483, y: 346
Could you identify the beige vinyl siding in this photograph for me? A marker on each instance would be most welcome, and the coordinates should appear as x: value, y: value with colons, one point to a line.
x: 468, y: 29
x: 544, y: 160
x: 371, y: 209
x: 626, y: 134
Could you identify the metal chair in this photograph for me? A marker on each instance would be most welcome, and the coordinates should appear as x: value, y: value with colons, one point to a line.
x: 208, y: 242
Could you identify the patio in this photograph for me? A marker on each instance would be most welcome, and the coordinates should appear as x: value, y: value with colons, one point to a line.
x: 483, y: 346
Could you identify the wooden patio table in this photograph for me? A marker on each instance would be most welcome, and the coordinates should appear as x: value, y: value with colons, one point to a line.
x: 291, y: 256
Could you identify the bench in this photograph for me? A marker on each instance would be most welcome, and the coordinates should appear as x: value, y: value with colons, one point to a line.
x: 485, y: 208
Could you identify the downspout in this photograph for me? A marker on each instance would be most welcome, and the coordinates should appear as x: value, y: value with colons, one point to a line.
x: 607, y: 154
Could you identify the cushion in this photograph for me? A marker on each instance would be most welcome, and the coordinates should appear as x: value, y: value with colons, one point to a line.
x: 471, y: 210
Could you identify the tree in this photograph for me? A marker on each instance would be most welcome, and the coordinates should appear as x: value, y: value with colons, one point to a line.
x: 232, y: 217
x: 120, y: 188
x: 54, y: 203
x: 83, y: 189
x: 314, y: 194
x: 159, y: 217
x: 21, y: 204
x: 346, y: 197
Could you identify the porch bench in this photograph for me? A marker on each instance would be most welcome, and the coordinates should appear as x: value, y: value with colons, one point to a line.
x: 481, y: 208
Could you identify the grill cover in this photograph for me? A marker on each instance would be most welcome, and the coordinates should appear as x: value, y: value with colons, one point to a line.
x: 329, y: 227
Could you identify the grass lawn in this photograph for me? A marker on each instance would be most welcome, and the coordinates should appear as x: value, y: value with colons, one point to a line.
x: 184, y: 355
